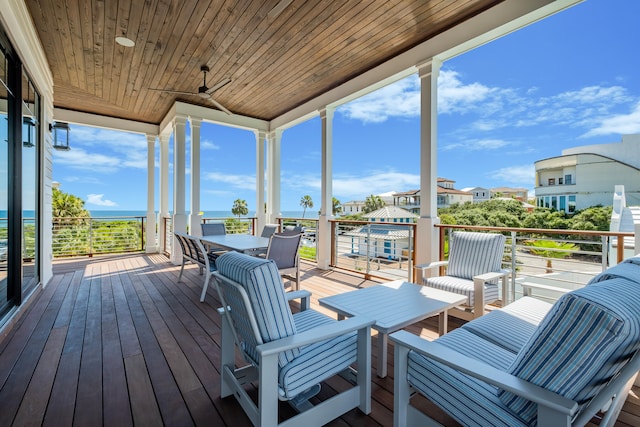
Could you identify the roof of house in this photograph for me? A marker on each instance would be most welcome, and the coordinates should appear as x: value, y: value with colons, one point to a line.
x: 390, y: 212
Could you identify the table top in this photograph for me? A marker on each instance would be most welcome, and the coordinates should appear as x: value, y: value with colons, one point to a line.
x: 237, y: 242
x: 393, y: 305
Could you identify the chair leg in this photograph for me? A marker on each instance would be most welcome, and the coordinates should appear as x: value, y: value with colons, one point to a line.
x: 181, y: 271
x: 401, y: 392
x: 205, y: 286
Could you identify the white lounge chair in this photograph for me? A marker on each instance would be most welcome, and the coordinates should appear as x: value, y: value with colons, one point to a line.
x: 288, y: 355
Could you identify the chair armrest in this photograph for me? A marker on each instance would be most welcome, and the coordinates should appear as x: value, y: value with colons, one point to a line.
x: 528, y: 286
x: 303, y: 295
x: 314, y: 335
x: 484, y: 372
x: 486, y: 277
x: 432, y: 265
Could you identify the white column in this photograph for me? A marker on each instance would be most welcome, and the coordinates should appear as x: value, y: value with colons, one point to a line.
x: 273, y: 175
x: 151, y: 237
x: 179, y: 184
x: 163, y: 189
x: 427, y: 239
x: 323, y: 248
x: 195, y: 219
x: 261, y: 215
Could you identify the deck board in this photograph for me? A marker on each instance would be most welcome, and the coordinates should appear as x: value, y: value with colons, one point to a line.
x: 116, y: 340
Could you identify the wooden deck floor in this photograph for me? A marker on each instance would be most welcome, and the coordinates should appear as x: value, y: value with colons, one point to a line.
x: 116, y: 341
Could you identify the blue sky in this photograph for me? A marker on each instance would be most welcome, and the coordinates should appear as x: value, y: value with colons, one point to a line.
x: 572, y: 79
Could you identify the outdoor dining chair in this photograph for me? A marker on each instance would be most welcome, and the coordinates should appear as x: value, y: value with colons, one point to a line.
x: 288, y: 355
x: 213, y: 229
x: 268, y: 230
x: 193, y: 251
x: 473, y: 269
x: 284, y: 250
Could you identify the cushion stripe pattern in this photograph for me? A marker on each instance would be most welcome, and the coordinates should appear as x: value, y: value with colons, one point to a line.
x: 462, y: 286
x: 262, y: 282
x: 444, y: 386
x: 472, y: 253
x: 512, y: 326
x: 586, y: 337
x: 317, y: 361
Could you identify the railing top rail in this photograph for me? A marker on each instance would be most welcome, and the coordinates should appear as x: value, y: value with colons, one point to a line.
x: 541, y: 230
x: 363, y: 222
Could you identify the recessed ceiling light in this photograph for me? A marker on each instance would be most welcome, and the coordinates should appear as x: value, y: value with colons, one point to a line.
x: 123, y: 41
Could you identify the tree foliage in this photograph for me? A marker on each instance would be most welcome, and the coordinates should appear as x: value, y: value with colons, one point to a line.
x: 373, y: 203
x: 239, y: 208
x: 66, y: 205
x: 306, y: 202
x: 336, y: 207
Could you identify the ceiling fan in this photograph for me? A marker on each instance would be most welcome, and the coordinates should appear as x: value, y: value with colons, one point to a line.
x: 204, y: 91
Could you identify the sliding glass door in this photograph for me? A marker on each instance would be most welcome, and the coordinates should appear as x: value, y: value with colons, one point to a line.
x: 20, y: 154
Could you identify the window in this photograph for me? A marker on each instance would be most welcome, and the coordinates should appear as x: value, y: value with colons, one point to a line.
x: 552, y: 181
x: 572, y: 204
x: 567, y: 179
x: 560, y: 181
x: 563, y: 203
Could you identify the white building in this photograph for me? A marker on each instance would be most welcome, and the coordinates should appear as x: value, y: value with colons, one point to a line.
x: 480, y: 194
x: 586, y: 176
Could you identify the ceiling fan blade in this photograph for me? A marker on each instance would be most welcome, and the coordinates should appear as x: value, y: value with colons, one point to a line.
x: 174, y: 91
x: 220, y: 106
x: 277, y: 9
x: 219, y: 85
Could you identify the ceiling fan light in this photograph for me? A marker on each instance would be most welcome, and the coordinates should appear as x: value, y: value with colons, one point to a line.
x: 124, y: 41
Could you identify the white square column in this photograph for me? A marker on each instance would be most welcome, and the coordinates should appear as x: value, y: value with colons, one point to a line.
x: 323, y: 244
x: 427, y: 238
x: 163, y: 177
x: 195, y: 219
x: 150, y: 234
x: 261, y: 215
x: 274, y: 140
x: 179, y: 185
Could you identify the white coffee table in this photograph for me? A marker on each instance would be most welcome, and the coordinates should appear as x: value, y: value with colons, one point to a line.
x: 394, y: 305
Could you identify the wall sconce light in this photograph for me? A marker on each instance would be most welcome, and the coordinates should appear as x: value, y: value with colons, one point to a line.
x: 60, y: 135
x: 28, y: 131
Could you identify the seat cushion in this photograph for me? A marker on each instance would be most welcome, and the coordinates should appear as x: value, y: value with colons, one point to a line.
x: 261, y: 280
x: 471, y: 253
x: 587, y: 336
x: 318, y: 361
x: 445, y: 386
x: 464, y: 287
x: 513, y: 325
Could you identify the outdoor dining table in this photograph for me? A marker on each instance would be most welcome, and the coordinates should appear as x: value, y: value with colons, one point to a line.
x: 245, y: 243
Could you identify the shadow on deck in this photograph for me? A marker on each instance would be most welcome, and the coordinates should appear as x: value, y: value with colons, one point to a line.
x: 116, y: 341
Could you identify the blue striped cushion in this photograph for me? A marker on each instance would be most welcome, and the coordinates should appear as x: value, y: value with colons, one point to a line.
x: 513, y: 325
x: 584, y: 340
x: 261, y: 280
x: 445, y: 387
x: 462, y: 286
x: 318, y: 361
x: 471, y: 254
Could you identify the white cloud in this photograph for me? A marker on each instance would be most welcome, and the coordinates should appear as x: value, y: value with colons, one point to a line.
x: 98, y: 199
x: 399, y: 99
x: 245, y: 182
x: 477, y: 145
x: 618, y: 124
x: 457, y: 97
x: 515, y: 175
x: 103, y: 150
x: 207, y: 144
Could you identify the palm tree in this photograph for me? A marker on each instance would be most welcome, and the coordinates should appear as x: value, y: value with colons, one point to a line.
x: 373, y: 203
x: 306, y: 202
x: 239, y: 208
x: 66, y: 205
x: 337, y: 207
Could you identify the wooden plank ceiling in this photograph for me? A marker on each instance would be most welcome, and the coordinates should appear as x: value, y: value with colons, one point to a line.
x: 275, y: 64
